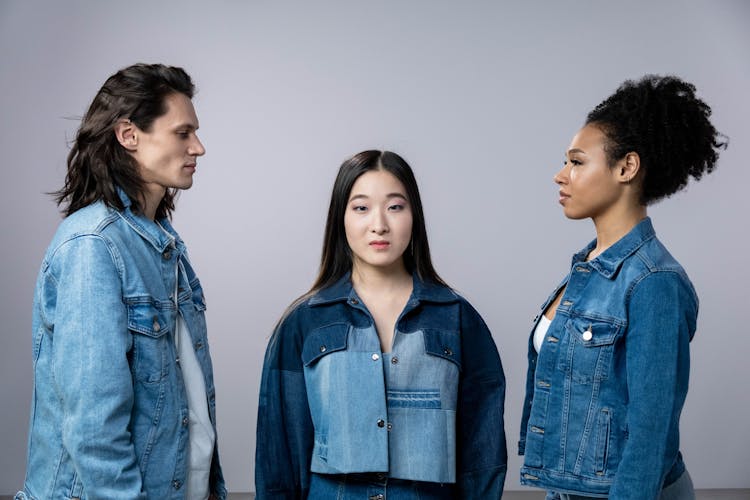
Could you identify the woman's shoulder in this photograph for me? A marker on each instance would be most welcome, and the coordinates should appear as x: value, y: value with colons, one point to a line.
x: 433, y: 291
x: 311, y: 311
x: 650, y: 259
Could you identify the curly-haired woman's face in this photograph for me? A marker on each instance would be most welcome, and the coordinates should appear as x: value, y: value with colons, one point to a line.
x: 588, y: 186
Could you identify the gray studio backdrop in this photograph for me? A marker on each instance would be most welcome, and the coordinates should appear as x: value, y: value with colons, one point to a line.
x: 481, y: 98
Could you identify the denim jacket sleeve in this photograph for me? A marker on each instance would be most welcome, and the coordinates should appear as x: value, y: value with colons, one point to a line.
x: 82, y: 290
x: 661, y: 313
x: 481, y: 449
x: 284, y: 439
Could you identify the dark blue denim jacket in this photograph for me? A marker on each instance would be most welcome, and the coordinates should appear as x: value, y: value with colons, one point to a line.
x: 331, y: 402
x: 604, y: 395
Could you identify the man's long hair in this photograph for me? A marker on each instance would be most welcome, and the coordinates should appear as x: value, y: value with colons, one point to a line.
x: 97, y: 162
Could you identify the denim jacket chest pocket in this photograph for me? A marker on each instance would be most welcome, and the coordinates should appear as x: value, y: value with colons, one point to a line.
x: 586, y: 349
x: 324, y: 341
x: 149, y: 326
x: 431, y: 368
x: 445, y: 344
x: 199, y: 299
x: 193, y: 309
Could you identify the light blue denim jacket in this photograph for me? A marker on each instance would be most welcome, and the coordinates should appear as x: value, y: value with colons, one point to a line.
x: 109, y: 414
x: 332, y: 402
x: 604, y: 395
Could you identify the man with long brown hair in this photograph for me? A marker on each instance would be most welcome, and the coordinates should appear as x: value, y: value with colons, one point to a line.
x: 124, y: 400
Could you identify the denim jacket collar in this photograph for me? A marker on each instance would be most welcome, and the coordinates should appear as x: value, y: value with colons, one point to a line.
x: 423, y: 291
x: 609, y: 261
x: 148, y: 229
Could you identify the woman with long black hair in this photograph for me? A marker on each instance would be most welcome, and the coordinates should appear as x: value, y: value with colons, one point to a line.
x: 381, y: 380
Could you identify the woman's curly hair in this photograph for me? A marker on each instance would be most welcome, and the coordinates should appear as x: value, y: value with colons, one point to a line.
x: 661, y: 119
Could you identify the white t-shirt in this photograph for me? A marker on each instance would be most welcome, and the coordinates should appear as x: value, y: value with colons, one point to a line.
x: 540, y: 331
x: 202, y: 436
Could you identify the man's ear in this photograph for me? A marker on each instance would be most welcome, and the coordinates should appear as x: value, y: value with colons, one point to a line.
x: 127, y: 134
x: 629, y: 167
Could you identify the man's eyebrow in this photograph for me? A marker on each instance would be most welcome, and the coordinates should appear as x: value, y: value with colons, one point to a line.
x: 186, y: 125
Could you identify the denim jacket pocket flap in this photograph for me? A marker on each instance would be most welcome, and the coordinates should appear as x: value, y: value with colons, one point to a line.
x: 592, y: 333
x: 199, y: 299
x: 443, y: 343
x: 323, y: 341
x: 145, y: 318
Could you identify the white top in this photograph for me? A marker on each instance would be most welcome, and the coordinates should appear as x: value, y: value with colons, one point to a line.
x: 202, y: 436
x: 540, y: 332
x: 201, y: 432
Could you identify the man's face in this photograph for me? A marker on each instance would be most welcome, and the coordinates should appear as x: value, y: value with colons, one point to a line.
x: 167, y: 154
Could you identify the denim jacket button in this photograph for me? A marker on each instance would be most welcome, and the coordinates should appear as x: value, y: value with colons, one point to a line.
x: 448, y: 351
x: 587, y: 335
x: 389, y: 426
x: 394, y: 360
x: 353, y: 301
x: 375, y: 356
x: 381, y: 423
x: 322, y: 348
x: 156, y: 325
x: 167, y: 254
x: 176, y: 484
x: 185, y: 420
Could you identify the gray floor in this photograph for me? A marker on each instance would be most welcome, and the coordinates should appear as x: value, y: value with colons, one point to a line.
x: 535, y: 495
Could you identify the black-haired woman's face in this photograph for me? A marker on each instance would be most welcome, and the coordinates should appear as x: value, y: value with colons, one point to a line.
x: 378, y: 220
x: 589, y: 187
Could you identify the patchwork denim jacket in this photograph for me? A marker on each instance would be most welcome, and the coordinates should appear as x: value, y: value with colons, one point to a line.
x: 109, y: 414
x: 605, y: 392
x: 331, y: 402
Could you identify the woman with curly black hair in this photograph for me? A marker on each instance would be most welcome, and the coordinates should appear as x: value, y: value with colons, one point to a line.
x: 609, y: 352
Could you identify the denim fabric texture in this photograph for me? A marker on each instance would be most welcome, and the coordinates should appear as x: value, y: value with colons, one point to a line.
x: 109, y: 415
x: 376, y: 487
x: 605, y: 392
x: 682, y: 489
x: 430, y: 411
